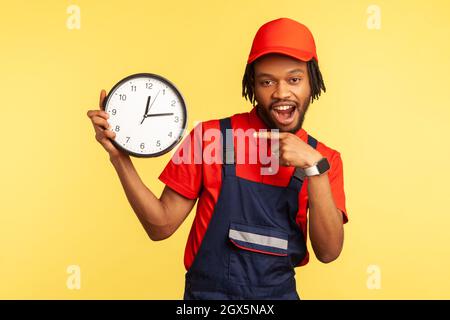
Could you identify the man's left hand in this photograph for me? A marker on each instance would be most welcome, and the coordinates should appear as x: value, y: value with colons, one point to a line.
x: 292, y: 150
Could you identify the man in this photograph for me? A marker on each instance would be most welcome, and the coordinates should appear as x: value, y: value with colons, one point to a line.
x: 250, y: 228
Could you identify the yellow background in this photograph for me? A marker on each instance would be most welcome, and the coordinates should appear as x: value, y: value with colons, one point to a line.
x: 386, y: 110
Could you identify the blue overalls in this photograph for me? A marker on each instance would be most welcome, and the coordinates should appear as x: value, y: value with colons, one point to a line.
x: 253, y: 242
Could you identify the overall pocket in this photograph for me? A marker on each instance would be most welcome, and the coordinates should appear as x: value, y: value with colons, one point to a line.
x: 258, y: 255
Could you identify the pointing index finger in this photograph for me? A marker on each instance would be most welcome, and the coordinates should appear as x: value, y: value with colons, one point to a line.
x: 269, y: 134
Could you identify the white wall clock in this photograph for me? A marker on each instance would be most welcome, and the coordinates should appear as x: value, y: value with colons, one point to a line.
x: 147, y: 113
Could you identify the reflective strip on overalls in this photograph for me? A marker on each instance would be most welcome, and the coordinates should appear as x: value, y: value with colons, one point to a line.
x: 253, y: 241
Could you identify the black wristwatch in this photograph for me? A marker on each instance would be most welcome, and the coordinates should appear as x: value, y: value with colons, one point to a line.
x: 320, y: 167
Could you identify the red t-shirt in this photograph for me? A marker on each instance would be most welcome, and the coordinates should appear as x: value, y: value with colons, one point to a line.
x: 202, y: 179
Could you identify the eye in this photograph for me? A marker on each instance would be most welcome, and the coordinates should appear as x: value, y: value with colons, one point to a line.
x: 295, y: 80
x: 266, y: 83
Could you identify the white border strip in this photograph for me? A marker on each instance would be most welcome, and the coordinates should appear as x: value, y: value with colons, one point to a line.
x: 258, y: 239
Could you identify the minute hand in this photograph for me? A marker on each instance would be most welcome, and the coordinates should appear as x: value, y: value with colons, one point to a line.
x: 158, y: 114
x: 146, y: 108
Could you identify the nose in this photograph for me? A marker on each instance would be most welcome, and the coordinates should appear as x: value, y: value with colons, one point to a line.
x: 281, y: 91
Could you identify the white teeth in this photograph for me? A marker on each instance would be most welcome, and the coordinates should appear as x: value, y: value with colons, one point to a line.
x: 281, y: 108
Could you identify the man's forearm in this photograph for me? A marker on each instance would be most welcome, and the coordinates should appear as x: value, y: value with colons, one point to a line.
x: 325, y: 220
x: 148, y: 208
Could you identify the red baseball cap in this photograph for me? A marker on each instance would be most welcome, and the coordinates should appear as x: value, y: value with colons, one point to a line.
x: 285, y: 36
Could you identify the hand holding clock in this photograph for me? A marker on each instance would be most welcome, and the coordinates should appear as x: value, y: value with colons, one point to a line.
x: 101, y: 127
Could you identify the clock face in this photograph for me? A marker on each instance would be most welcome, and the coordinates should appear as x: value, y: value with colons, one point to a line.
x: 147, y: 113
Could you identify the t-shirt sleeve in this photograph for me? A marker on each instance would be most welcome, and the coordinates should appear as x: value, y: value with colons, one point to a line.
x: 183, y: 173
x: 336, y: 178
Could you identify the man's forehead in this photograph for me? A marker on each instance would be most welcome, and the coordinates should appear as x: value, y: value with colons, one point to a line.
x: 275, y: 63
x: 265, y: 73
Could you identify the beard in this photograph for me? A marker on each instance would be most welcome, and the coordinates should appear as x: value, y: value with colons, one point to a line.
x: 264, y: 114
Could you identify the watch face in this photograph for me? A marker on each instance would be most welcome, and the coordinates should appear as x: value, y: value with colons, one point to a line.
x: 147, y: 113
x: 323, y: 165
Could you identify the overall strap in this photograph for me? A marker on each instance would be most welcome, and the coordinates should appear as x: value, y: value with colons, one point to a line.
x: 312, y: 142
x: 227, y: 146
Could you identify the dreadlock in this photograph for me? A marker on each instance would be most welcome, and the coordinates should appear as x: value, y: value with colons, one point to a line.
x: 315, y: 81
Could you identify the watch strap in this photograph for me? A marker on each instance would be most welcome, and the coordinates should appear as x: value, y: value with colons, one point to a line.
x: 320, y: 167
x: 312, y: 171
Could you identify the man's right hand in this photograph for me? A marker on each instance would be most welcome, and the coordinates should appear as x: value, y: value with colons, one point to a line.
x: 102, y: 133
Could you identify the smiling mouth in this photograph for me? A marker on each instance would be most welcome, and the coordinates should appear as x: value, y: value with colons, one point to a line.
x: 283, y: 114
